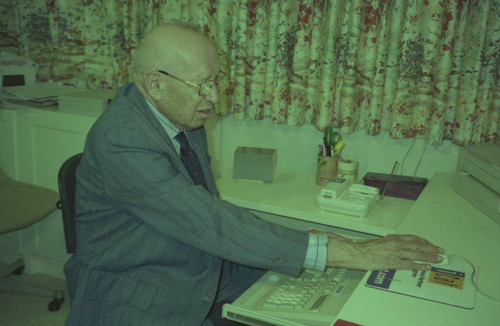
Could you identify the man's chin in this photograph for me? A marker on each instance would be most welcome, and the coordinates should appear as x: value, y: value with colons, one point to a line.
x: 196, y: 125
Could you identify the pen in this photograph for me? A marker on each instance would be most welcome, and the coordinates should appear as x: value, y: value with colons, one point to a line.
x: 327, y: 148
x: 389, y: 181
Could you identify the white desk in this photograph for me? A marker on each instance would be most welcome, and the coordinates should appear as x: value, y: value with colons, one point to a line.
x: 447, y: 219
x: 293, y: 195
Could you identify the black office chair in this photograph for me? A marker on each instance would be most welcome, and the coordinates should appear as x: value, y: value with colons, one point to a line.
x: 67, y: 186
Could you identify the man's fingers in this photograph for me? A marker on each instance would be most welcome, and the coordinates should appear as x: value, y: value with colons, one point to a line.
x: 419, y: 267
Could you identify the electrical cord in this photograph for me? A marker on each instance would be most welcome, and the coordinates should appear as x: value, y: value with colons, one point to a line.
x: 473, y: 276
x: 420, y: 159
x: 406, y: 155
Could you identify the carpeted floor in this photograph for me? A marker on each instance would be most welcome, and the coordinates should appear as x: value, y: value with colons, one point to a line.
x: 22, y: 309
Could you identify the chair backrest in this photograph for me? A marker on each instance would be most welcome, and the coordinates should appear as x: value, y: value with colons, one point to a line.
x: 67, y: 186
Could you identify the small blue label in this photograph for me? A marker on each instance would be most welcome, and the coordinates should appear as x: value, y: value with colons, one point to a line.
x: 381, y: 279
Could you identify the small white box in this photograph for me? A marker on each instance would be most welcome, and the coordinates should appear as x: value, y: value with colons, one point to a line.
x: 90, y: 102
x: 253, y: 163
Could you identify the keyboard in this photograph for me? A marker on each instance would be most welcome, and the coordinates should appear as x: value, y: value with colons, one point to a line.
x: 313, y: 298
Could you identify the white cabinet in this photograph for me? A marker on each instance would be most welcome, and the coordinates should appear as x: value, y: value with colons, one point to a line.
x: 48, y: 138
x: 33, y: 145
x: 9, y: 142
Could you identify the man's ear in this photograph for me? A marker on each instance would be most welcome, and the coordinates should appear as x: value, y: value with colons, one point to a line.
x: 152, y: 85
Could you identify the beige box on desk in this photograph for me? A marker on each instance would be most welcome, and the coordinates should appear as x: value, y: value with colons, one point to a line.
x: 91, y: 102
x: 478, y: 177
x: 253, y: 163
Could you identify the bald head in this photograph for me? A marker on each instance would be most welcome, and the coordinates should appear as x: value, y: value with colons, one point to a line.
x: 172, y: 65
x: 173, y: 48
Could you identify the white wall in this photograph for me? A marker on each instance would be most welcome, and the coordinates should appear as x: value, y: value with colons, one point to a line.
x: 297, y: 148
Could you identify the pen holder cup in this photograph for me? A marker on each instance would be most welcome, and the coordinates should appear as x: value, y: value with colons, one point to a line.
x: 327, y: 169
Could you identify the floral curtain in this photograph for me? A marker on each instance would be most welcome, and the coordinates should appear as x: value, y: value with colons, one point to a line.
x: 426, y: 68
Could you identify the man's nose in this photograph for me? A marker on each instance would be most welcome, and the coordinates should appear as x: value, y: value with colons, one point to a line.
x: 213, y: 96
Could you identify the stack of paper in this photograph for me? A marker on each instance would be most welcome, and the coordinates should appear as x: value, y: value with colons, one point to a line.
x: 45, y: 94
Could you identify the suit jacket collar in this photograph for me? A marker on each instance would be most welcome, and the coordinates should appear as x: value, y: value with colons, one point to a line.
x: 131, y: 92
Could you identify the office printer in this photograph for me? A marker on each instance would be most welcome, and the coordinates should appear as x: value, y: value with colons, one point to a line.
x: 478, y: 177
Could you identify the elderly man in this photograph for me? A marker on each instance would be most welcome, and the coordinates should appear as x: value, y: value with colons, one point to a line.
x: 155, y: 245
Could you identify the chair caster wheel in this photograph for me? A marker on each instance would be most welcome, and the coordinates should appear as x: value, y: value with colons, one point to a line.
x: 55, y: 304
x: 19, y: 270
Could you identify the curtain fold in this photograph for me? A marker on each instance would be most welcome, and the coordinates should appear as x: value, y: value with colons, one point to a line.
x: 421, y: 68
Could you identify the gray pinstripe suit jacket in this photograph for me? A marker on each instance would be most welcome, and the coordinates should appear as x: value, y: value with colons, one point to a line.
x: 150, y: 244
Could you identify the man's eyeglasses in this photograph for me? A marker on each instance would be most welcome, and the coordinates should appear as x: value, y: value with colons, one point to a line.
x: 203, y: 89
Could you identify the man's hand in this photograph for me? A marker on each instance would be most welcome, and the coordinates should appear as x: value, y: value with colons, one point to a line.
x: 390, y: 252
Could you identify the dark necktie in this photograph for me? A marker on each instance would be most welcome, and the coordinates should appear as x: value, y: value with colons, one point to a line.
x: 190, y: 160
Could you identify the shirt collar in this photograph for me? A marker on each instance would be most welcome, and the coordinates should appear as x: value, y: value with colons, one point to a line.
x: 170, y: 128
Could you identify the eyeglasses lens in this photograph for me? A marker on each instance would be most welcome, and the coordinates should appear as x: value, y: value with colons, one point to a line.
x: 206, y: 88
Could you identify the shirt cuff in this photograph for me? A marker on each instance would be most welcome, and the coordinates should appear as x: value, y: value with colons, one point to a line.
x: 316, y: 252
